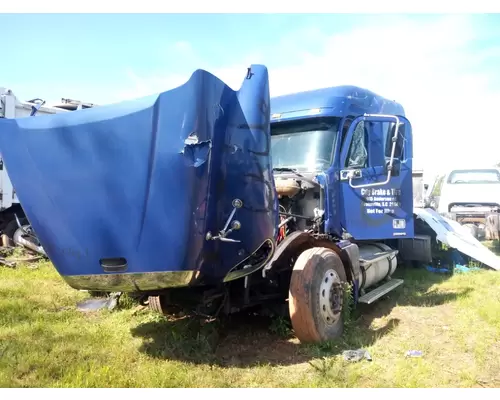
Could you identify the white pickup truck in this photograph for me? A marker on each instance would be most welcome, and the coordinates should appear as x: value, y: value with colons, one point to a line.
x: 471, y: 197
x: 11, y: 107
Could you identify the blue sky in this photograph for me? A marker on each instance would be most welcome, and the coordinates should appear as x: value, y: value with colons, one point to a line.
x: 442, y: 68
x: 81, y: 53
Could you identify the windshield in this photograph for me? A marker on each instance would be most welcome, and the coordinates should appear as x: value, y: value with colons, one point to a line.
x: 475, y: 176
x: 304, y: 145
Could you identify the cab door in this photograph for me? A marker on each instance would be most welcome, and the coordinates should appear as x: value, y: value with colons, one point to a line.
x: 375, y: 178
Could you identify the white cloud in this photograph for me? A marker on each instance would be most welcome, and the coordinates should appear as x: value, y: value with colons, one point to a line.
x: 431, y: 69
x: 183, y: 46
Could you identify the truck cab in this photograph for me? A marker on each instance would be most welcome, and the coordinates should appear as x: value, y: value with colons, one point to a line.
x: 341, y: 142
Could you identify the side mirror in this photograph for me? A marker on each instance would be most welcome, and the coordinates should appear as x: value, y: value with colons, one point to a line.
x: 426, y: 186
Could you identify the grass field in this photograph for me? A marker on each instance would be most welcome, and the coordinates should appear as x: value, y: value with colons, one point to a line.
x: 45, y: 342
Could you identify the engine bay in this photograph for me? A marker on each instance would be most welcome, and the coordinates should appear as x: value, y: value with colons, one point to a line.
x: 300, y: 202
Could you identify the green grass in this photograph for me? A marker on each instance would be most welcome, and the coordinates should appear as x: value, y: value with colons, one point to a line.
x: 493, y: 246
x: 45, y: 342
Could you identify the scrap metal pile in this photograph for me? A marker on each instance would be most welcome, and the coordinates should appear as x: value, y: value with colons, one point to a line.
x: 24, y: 239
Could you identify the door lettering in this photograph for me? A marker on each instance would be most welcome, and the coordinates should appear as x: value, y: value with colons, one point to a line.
x: 380, y: 201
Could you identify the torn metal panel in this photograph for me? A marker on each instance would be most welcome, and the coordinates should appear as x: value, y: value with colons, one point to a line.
x: 195, y: 152
x: 454, y: 235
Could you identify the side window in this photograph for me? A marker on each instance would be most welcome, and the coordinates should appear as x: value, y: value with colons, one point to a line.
x: 357, y: 156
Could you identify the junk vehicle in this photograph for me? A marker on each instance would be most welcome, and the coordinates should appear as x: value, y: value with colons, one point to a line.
x: 12, y: 107
x: 471, y: 196
x: 420, y: 198
x: 217, y: 200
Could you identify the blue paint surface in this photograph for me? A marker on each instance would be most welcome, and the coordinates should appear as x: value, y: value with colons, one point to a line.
x: 122, y: 181
x: 344, y: 206
x: 382, y: 211
x: 338, y: 101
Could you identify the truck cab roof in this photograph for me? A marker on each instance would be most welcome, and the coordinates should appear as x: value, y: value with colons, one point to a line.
x: 337, y: 101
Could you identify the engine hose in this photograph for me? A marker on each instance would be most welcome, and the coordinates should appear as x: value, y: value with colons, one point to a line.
x: 295, y: 215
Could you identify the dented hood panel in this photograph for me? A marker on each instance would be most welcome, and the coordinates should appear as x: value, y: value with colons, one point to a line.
x: 147, y: 179
x: 454, y: 235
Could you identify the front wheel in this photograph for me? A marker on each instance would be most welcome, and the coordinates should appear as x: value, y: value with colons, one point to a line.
x: 315, y: 298
x: 158, y: 304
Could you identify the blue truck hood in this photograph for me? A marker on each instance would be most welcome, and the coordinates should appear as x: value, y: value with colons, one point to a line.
x: 137, y: 186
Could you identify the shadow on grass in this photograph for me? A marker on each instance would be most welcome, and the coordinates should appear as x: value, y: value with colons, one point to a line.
x: 417, y: 291
x: 244, y: 340
x: 240, y: 341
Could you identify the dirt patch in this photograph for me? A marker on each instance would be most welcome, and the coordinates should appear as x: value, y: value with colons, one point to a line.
x: 239, y: 351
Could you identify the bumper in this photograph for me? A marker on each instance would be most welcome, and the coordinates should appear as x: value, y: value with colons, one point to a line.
x: 133, y: 282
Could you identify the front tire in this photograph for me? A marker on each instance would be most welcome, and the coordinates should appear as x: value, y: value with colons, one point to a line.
x: 158, y: 304
x: 315, y: 298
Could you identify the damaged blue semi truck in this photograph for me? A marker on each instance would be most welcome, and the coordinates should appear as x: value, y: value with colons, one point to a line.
x: 218, y: 200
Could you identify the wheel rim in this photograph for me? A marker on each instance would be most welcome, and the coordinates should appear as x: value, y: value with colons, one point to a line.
x: 330, y: 297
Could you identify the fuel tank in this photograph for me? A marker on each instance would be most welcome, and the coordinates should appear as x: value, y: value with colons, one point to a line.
x: 378, y: 270
x: 133, y: 196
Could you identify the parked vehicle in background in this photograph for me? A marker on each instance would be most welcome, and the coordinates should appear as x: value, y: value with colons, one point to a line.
x: 419, y: 189
x: 472, y: 198
x: 434, y: 192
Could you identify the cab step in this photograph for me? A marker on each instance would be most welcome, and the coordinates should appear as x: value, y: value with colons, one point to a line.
x: 375, y: 257
x: 377, y: 293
